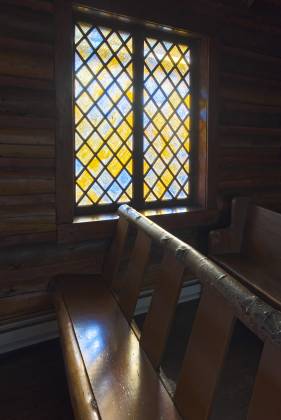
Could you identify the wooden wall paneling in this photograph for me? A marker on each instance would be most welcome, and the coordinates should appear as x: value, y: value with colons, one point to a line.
x: 64, y: 112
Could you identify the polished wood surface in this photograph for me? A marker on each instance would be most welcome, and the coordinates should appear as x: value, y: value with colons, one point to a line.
x: 249, y: 248
x: 113, y: 256
x: 123, y: 381
x: 120, y: 364
x: 161, y: 311
x: 82, y: 398
x: 129, y: 293
x: 205, y: 355
x: 267, y: 386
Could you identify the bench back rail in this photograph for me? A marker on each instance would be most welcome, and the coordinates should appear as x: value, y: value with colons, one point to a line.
x: 223, y: 301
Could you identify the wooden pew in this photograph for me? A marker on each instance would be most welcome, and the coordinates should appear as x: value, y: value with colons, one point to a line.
x: 112, y: 368
x: 250, y: 248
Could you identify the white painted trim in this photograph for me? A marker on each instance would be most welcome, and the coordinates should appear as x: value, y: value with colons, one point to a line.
x: 38, y: 329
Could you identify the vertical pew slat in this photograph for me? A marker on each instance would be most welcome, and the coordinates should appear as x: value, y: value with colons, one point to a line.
x: 267, y: 386
x: 115, y: 252
x: 129, y: 294
x: 205, y: 355
x: 160, y: 315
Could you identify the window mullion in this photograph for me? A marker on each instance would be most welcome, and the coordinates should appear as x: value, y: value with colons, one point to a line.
x: 138, y: 120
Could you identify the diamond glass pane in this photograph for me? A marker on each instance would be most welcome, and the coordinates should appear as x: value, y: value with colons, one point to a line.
x: 166, y: 120
x: 103, y: 115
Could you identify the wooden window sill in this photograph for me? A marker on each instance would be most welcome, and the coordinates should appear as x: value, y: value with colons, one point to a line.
x: 102, y: 225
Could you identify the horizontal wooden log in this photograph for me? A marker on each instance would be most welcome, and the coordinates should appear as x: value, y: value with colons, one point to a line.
x: 26, y: 24
x: 26, y: 102
x: 28, y: 185
x: 19, y: 63
x: 11, y: 135
x: 27, y: 239
x: 248, y: 154
x: 27, y: 151
x: 27, y: 200
x: 249, y: 186
x: 34, y: 210
x: 25, y: 166
x: 27, y: 82
x: 23, y: 306
x: 249, y: 131
x: 250, y: 79
x: 244, y: 92
x: 248, y: 62
x: 237, y: 173
x: 27, y: 224
x: 26, y: 122
x: 37, y: 5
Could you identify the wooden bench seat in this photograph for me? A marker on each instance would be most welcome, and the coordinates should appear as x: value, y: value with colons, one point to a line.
x: 122, y: 379
x: 250, y: 248
x: 113, y: 369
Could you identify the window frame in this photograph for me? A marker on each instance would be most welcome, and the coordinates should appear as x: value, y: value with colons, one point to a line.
x: 202, y: 156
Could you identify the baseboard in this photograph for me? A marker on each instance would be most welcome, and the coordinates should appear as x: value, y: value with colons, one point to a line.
x: 38, y: 329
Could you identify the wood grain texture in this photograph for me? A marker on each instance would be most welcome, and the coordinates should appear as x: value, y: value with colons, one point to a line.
x: 206, y: 352
x: 131, y: 287
x: 113, y: 357
x: 160, y: 315
x: 265, y: 401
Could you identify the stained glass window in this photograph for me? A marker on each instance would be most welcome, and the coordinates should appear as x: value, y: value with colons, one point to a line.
x: 105, y: 83
x: 166, y: 120
x: 103, y: 115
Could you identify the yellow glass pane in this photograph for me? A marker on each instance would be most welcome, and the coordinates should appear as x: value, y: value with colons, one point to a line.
x: 84, y: 101
x: 129, y: 167
x: 145, y: 189
x: 159, y: 189
x: 187, y: 101
x: 130, y: 94
x: 130, y: 119
x: 124, y: 155
x: 84, y: 49
x: 93, y: 196
x: 78, y: 193
x: 95, y: 142
x: 104, y: 52
x: 114, y: 142
x: 167, y: 177
x: 78, y: 114
x: 145, y: 167
x: 95, y: 167
x: 124, y: 130
x: 114, y: 167
x: 158, y: 121
x: 84, y: 75
x: 84, y: 154
x: 175, y: 54
x: 84, y: 180
x: 175, y: 99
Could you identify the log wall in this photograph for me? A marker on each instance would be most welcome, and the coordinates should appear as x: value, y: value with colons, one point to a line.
x: 249, y: 127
